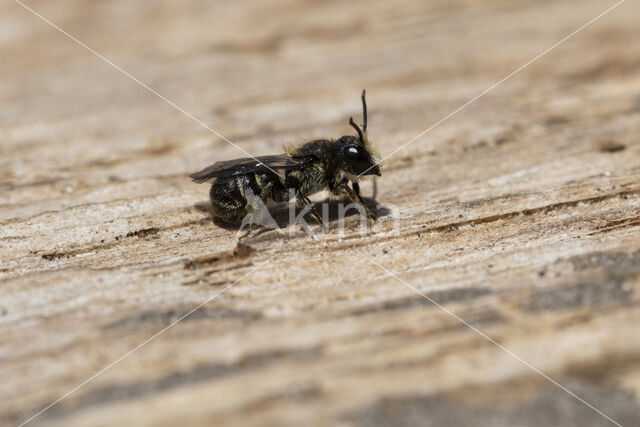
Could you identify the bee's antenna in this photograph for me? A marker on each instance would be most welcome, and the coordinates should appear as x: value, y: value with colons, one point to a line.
x: 364, y: 111
x: 356, y: 127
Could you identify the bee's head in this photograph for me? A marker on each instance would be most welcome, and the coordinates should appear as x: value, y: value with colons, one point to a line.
x: 355, y: 153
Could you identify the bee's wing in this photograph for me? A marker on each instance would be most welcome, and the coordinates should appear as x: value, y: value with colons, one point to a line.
x: 247, y: 165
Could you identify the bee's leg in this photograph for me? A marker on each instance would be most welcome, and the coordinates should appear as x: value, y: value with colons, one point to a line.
x: 356, y: 191
x: 253, y: 231
x: 250, y: 228
x: 354, y: 195
x: 312, y: 209
x: 356, y: 188
x: 282, y: 194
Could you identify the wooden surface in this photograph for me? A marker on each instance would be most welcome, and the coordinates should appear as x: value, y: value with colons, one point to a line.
x: 519, y: 214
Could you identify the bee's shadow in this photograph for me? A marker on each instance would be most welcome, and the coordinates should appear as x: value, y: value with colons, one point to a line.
x: 205, y: 207
x: 332, y: 210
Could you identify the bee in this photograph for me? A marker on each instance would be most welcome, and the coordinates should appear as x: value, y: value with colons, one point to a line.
x: 304, y: 169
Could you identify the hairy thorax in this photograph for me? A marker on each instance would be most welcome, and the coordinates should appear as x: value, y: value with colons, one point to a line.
x: 308, y: 181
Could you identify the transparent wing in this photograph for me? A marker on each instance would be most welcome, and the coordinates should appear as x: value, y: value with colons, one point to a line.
x: 248, y: 165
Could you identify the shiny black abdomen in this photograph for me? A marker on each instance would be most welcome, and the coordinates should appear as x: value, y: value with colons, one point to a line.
x: 234, y: 197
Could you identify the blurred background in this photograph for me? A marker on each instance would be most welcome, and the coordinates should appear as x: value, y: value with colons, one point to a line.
x: 265, y: 74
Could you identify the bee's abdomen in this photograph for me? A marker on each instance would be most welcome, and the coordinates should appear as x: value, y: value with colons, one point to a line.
x: 234, y: 197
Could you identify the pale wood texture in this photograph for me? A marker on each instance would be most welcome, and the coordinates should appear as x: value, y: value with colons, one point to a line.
x: 520, y: 214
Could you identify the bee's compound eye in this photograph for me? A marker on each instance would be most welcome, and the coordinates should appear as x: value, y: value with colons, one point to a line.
x: 352, y: 152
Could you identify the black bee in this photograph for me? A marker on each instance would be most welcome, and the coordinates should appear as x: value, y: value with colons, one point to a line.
x: 305, y: 169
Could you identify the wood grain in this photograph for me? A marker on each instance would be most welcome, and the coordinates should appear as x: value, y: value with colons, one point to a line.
x: 520, y: 215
